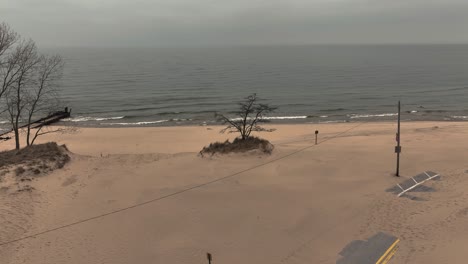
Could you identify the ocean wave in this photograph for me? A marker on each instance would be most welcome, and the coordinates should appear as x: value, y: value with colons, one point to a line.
x: 136, y: 123
x: 333, y: 110
x: 353, y: 116
x: 283, y: 117
x: 170, y: 113
x: 180, y: 119
x: 4, y: 122
x: 89, y: 118
x: 273, y: 118
x: 460, y: 117
x: 435, y: 111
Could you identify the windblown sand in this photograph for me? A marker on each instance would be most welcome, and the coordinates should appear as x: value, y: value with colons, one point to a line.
x: 303, y: 208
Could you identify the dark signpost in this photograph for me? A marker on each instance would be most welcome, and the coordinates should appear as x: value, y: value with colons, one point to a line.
x: 398, y: 147
x: 208, y: 256
x: 316, y: 135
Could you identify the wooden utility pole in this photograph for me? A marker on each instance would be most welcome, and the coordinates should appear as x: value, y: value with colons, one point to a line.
x: 398, y: 147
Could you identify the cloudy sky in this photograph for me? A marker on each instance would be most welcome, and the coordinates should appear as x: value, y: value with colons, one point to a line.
x: 236, y: 22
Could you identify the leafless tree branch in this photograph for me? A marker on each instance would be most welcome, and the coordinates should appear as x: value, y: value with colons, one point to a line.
x: 29, y: 83
x: 42, y: 94
x: 43, y: 130
x: 249, y: 115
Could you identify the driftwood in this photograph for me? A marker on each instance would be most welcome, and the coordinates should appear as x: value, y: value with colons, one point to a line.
x: 50, y: 119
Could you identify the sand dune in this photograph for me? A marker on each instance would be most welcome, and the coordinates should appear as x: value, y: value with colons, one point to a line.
x: 300, y: 209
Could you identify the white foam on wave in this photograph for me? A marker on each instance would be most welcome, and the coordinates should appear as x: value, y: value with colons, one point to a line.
x: 273, y: 118
x: 238, y: 119
x: 460, y: 117
x: 353, y: 116
x: 136, y: 123
x: 413, y: 111
x: 4, y: 122
x: 90, y: 118
x: 283, y: 117
x: 180, y: 119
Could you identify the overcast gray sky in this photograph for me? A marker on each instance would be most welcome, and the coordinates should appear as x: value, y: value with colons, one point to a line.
x: 236, y: 22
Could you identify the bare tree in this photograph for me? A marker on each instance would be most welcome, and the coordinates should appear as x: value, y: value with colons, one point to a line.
x: 7, y: 38
x: 42, y: 96
x: 7, y: 70
x: 23, y: 60
x: 29, y: 83
x: 247, y: 118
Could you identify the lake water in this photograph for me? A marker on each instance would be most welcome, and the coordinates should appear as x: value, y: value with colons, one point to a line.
x: 178, y: 86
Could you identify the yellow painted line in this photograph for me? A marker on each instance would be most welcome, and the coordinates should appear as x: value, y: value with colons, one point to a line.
x: 389, y: 253
x: 389, y: 256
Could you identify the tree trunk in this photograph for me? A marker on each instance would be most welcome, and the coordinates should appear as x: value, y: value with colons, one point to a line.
x: 16, y: 125
x: 36, y: 135
x: 27, y: 136
x: 17, y: 139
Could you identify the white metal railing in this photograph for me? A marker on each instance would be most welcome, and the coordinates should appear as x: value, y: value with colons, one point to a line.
x: 429, y: 177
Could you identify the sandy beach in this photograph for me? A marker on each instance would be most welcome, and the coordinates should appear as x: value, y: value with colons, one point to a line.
x: 302, y: 204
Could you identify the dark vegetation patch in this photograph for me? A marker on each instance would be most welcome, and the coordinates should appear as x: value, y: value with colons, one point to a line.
x: 34, y: 159
x: 3, y: 173
x: 238, y: 146
x: 19, y: 170
x: 26, y: 188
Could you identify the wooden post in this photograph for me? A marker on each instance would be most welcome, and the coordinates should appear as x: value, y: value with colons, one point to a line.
x: 398, y: 148
x: 209, y: 257
x: 316, y: 135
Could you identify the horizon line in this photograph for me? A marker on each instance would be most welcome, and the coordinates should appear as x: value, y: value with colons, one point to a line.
x: 253, y: 45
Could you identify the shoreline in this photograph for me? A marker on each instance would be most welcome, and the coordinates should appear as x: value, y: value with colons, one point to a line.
x: 122, y: 121
x: 285, y: 123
